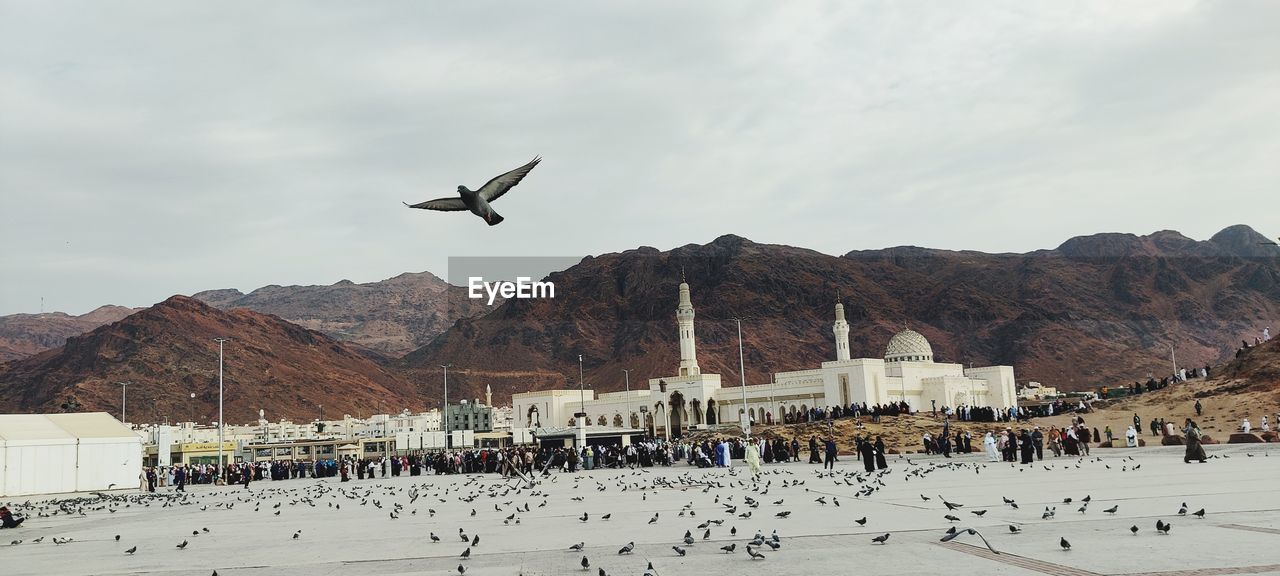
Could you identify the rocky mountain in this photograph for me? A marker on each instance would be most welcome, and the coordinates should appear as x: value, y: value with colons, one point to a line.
x: 23, y: 335
x: 168, y: 352
x: 1098, y: 309
x: 391, y: 317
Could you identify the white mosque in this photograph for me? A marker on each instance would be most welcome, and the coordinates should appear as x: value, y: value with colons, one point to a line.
x: 672, y: 405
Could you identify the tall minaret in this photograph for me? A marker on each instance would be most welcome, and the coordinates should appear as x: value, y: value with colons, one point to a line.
x: 841, y: 330
x: 684, y: 318
x: 488, y: 393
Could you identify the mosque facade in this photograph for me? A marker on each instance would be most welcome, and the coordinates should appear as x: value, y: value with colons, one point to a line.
x: 671, y: 405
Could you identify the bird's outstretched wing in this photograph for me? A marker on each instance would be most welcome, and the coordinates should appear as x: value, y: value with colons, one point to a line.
x: 495, y: 188
x: 441, y: 204
x: 952, y: 536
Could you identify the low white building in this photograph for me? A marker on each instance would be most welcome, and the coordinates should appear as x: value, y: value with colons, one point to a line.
x: 670, y: 405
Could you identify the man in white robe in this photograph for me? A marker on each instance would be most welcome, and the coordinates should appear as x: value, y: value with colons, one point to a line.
x: 989, y: 443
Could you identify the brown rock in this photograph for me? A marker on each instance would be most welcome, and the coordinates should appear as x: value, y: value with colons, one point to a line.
x: 1173, y: 441
x: 1242, y: 438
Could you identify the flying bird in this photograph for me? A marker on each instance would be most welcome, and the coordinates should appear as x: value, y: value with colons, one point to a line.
x: 952, y: 536
x: 477, y: 201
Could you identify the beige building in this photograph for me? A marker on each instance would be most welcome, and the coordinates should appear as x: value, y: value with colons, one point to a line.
x: 672, y: 404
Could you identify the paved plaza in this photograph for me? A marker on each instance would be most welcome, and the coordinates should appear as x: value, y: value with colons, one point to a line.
x: 347, y: 528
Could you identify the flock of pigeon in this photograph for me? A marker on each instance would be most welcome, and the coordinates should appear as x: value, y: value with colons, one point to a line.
x: 717, y: 502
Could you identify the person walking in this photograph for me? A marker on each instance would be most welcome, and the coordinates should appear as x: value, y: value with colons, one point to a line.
x: 1194, y: 450
x: 989, y: 444
x: 830, y: 463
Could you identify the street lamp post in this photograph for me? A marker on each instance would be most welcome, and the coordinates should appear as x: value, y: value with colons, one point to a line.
x: 582, y: 407
x: 445, y: 415
x: 221, y: 425
x: 626, y: 373
x: 124, y: 399
x: 742, y: 371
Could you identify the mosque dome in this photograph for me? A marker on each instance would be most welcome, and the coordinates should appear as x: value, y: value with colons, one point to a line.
x: 908, y: 346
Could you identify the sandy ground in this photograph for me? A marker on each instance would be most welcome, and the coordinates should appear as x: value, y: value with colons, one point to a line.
x: 348, y: 528
x: 1223, y: 412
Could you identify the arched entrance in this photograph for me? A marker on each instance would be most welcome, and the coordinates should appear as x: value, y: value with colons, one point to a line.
x: 711, y: 411
x: 695, y: 408
x: 531, y: 418
x: 676, y: 413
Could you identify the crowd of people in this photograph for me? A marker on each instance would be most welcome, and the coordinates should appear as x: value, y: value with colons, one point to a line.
x: 875, y: 412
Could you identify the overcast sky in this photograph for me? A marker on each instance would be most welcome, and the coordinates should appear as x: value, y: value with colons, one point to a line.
x: 154, y: 148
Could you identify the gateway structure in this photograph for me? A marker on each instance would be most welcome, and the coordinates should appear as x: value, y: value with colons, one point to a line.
x: 673, y: 404
x: 58, y: 453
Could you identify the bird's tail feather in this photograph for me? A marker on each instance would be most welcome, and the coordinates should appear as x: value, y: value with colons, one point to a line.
x: 494, y: 219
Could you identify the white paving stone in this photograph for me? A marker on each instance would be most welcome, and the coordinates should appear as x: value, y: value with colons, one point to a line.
x: 1236, y: 490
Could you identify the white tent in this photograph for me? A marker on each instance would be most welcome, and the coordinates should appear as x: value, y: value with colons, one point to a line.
x: 108, y: 453
x: 36, y: 455
x: 57, y: 453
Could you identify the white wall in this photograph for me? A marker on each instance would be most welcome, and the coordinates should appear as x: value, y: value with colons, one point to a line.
x: 102, y: 462
x: 39, y: 468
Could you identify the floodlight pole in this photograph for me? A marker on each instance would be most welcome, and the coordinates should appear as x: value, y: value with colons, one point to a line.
x: 221, y: 423
x: 445, y: 415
